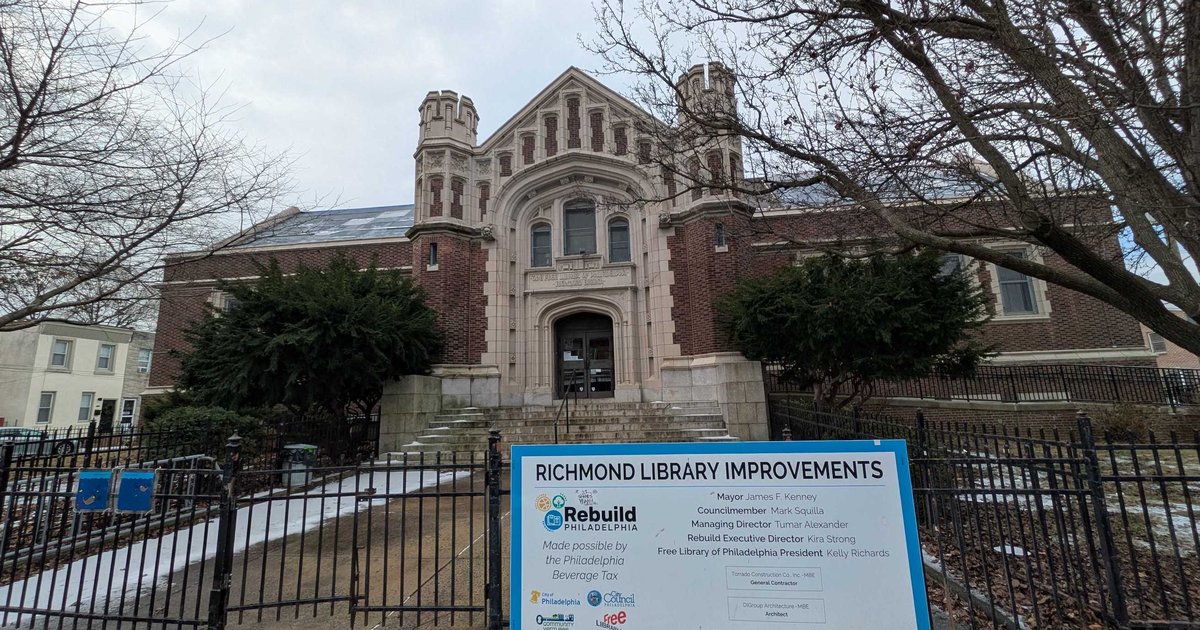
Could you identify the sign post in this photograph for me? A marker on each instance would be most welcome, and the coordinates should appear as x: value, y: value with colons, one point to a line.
x: 716, y: 536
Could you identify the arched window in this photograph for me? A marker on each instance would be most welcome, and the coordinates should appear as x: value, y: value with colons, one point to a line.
x: 539, y: 245
x: 618, y: 240
x: 579, y: 228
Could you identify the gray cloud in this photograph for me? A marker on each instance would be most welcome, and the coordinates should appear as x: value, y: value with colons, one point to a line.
x: 339, y: 84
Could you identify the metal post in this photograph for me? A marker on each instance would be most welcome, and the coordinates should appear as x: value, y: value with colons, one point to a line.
x: 492, y: 480
x: 218, y: 599
x: 88, y: 444
x: 6, y: 507
x: 923, y: 455
x: 1168, y: 387
x: 1112, y: 572
x: 856, y: 425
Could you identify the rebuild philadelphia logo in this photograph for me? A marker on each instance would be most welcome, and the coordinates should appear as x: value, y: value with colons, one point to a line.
x: 558, y: 515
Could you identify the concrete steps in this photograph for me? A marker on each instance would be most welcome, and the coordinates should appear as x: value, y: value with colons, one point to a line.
x: 591, y: 422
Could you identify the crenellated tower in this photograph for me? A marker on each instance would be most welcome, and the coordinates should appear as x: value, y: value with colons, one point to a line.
x: 707, y: 99
x: 447, y: 236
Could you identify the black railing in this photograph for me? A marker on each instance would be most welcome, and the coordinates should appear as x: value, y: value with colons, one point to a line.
x: 1034, y: 383
x: 1045, y: 529
x: 413, y: 541
x: 570, y: 391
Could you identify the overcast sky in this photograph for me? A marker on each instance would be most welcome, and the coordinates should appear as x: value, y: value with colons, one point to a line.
x: 338, y: 83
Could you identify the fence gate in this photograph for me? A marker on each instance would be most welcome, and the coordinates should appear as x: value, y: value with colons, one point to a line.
x: 423, y: 552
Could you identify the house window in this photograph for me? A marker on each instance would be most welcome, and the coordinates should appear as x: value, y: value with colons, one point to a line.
x: 45, y: 407
x: 104, y: 360
x: 579, y: 229
x: 539, y: 245
x: 618, y: 240
x: 1016, y: 290
x: 1157, y: 343
x: 144, y: 357
x: 433, y: 256
x: 60, y: 354
x: 951, y: 263
x: 128, y: 406
x: 85, y: 406
x: 719, y: 235
x: 228, y: 302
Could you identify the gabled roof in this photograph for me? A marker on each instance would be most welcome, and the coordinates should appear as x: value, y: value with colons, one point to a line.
x: 322, y: 226
x: 571, y: 75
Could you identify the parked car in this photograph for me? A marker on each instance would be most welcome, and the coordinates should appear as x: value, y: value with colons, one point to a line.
x: 37, y: 442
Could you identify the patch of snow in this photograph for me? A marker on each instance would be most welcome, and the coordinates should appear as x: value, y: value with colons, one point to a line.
x: 1011, y: 550
x: 85, y: 584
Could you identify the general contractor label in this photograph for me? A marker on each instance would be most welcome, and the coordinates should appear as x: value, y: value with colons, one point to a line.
x: 715, y: 536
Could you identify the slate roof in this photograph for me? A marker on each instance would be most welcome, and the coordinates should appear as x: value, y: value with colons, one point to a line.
x: 931, y: 184
x: 322, y: 226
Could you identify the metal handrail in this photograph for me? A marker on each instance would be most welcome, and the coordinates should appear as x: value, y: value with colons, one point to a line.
x: 565, y: 407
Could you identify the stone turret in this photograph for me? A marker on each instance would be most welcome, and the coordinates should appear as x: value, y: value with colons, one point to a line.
x: 707, y: 89
x: 446, y: 116
x: 707, y: 96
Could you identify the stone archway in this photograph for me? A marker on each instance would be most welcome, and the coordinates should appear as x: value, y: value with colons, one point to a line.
x: 584, y: 360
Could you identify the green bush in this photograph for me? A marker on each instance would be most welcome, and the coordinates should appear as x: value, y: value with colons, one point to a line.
x: 204, y: 430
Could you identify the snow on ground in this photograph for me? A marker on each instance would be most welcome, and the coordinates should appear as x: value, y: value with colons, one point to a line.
x: 85, y: 585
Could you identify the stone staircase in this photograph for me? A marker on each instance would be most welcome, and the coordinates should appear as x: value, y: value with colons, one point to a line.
x: 466, y: 430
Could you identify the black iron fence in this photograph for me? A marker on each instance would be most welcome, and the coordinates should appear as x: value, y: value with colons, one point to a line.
x: 1046, y: 529
x: 1034, y: 383
x: 234, y: 539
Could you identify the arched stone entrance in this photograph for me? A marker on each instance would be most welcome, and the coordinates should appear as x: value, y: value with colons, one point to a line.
x: 584, y: 356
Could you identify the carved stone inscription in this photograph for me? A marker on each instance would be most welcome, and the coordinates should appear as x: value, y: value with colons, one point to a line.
x: 593, y: 278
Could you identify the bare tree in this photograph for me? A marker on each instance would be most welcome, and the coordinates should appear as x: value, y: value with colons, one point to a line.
x: 110, y: 159
x: 1069, y: 125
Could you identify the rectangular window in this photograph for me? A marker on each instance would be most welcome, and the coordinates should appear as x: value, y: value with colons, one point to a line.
x: 144, y: 356
x: 719, y: 235
x: 1157, y: 343
x: 433, y: 260
x: 579, y: 230
x: 1016, y: 290
x: 539, y: 246
x: 128, y: 406
x: 85, y: 406
x: 45, y: 407
x: 60, y: 354
x: 950, y: 264
x: 104, y: 360
x: 228, y: 303
x: 618, y: 241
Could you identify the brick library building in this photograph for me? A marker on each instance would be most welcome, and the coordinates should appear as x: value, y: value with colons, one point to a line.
x: 561, y: 258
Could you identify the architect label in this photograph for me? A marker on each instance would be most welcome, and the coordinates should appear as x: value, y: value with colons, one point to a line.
x: 716, y: 536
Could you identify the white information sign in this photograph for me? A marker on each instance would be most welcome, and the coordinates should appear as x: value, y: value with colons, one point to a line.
x: 715, y: 537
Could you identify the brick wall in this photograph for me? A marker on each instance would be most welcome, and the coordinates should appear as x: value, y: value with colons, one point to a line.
x: 183, y: 305
x: 703, y: 274
x: 1076, y: 321
x: 179, y: 308
x: 597, y: 125
x: 455, y: 291
x: 1031, y: 418
x: 574, y: 124
x: 232, y: 264
x: 550, y: 140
